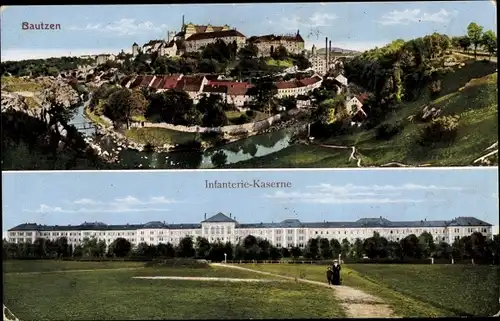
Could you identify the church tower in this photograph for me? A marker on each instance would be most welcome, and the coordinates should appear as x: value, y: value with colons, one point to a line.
x: 135, y: 49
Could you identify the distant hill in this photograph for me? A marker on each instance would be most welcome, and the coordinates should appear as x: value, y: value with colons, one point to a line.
x: 336, y: 50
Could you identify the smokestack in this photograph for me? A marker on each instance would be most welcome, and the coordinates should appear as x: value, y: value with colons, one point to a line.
x: 182, y: 21
x: 329, y: 50
x: 326, y: 52
x: 205, y: 215
x: 230, y: 215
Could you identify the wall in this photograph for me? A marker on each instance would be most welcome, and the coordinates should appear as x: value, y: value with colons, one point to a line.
x: 231, y: 129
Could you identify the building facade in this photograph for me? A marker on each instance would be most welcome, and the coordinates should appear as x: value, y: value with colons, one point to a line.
x: 270, y: 43
x: 221, y: 227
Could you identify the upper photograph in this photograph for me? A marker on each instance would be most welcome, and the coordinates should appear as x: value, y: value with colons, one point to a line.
x: 275, y: 85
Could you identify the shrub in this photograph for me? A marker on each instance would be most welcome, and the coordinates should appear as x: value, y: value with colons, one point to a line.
x: 387, y: 131
x: 250, y: 113
x: 180, y: 263
x: 441, y: 129
x: 243, y: 119
x: 435, y: 88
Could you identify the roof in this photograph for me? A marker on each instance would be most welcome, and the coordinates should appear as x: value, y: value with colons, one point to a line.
x: 288, y: 84
x: 125, y: 81
x: 135, y: 44
x: 310, y: 81
x: 341, y: 79
x: 217, y: 34
x: 146, y: 80
x: 153, y: 42
x: 170, y: 82
x: 362, y: 97
x: 190, y: 83
x: 137, y: 81
x: 219, y: 218
x: 158, y: 82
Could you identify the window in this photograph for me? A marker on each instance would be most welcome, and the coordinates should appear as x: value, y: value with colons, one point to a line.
x: 142, y: 232
x: 290, y: 239
x: 151, y: 238
x: 228, y: 230
x: 290, y: 231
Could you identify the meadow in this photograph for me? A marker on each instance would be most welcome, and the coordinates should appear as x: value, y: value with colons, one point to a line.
x: 55, y: 290
x: 414, y: 290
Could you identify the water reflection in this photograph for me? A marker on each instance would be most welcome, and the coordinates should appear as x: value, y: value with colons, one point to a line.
x: 245, y: 149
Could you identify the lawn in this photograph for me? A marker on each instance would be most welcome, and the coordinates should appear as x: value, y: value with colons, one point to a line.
x: 415, y: 290
x: 14, y: 84
x: 159, y: 136
x: 115, y: 295
x: 469, y: 92
x: 233, y: 116
x: 53, y: 265
x: 279, y: 63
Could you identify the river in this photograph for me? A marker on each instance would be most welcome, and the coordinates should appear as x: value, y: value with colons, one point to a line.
x: 241, y: 150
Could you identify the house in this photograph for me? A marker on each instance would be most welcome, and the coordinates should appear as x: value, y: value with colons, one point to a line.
x: 225, y: 228
x: 147, y: 81
x: 102, y: 59
x: 198, y: 41
x: 268, y: 44
x: 298, y: 87
x: 355, y: 106
x: 192, y: 85
x: 136, y: 82
x: 341, y: 80
x: 169, y: 82
x: 168, y: 49
x: 233, y: 92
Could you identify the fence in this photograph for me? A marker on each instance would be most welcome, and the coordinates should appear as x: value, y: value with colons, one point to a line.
x: 230, y: 129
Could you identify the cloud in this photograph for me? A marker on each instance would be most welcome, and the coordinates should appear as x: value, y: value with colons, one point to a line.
x: 316, y: 20
x: 354, y: 194
x: 407, y: 16
x: 125, y: 204
x: 123, y: 27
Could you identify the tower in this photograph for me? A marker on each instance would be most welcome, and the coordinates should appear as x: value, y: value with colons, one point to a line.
x: 135, y: 49
x: 313, y: 50
x: 182, y: 23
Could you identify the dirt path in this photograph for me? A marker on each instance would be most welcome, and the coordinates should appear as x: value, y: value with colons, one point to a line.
x: 194, y: 278
x: 69, y: 271
x: 7, y: 315
x: 356, y: 303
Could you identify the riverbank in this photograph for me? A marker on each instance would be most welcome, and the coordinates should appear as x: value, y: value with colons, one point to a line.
x: 164, y: 140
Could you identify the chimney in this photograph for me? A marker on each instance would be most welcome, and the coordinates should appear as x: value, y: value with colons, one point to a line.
x: 329, y: 50
x: 230, y: 215
x: 326, y: 52
x: 183, y: 21
x: 205, y: 215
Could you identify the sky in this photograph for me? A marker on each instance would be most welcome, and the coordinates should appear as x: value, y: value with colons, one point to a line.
x: 136, y: 197
x: 357, y: 26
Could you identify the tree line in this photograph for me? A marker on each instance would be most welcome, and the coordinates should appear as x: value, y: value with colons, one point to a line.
x: 475, y: 246
x: 42, y: 67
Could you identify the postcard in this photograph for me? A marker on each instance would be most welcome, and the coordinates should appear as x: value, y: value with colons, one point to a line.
x: 250, y: 244
x: 274, y: 85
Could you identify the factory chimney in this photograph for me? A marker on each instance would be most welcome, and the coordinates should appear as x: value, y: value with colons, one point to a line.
x: 329, y: 50
x: 326, y: 52
x: 182, y: 21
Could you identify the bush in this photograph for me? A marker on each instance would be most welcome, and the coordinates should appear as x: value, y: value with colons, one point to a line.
x: 243, y: 119
x: 179, y: 263
x: 387, y: 131
x: 441, y: 129
x: 250, y: 113
x: 435, y: 88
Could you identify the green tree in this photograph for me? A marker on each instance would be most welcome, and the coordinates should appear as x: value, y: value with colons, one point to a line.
x: 186, y: 247
x: 202, y: 247
x: 475, y: 33
x: 426, y: 244
x: 296, y: 252
x: 464, y: 43
x: 120, y: 247
x: 489, y: 42
x: 118, y: 107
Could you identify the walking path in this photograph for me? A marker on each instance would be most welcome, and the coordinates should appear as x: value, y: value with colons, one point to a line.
x: 7, y: 315
x: 356, y: 303
x: 194, y: 278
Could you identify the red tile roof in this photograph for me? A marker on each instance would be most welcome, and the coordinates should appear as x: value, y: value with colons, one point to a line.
x: 288, y: 84
x: 216, y: 34
x: 125, y: 81
x: 146, y: 80
x: 158, y: 82
x: 170, y: 82
x: 362, y: 97
x: 137, y: 81
x: 190, y: 83
x: 237, y: 90
x: 309, y: 81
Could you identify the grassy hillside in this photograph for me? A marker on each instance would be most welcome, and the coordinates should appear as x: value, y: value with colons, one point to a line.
x: 470, y: 92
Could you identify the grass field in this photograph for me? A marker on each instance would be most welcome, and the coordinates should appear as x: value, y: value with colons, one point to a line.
x: 415, y: 290
x: 470, y: 92
x: 114, y: 295
x: 14, y: 84
x: 159, y: 136
x: 279, y: 63
x: 233, y: 116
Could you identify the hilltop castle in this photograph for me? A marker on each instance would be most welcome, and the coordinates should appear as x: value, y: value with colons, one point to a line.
x: 193, y: 38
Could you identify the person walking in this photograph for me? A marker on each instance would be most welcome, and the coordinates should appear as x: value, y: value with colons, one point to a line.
x: 336, y: 272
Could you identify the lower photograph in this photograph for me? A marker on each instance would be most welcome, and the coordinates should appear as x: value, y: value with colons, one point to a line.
x: 280, y: 244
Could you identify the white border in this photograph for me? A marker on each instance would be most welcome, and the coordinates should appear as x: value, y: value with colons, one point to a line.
x: 353, y: 169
